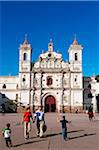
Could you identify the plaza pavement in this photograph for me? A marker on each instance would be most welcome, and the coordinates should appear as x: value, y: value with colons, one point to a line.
x: 83, y: 134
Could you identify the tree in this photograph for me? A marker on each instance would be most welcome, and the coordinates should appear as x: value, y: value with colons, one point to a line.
x: 97, y: 78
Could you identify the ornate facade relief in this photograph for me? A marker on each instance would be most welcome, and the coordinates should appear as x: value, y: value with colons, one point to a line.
x: 36, y: 65
x: 66, y: 80
x: 57, y: 64
x: 66, y: 97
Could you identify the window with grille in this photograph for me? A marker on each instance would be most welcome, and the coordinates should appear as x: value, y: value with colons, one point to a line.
x: 4, y: 86
x: 25, y: 56
x: 49, y: 80
x: 76, y: 56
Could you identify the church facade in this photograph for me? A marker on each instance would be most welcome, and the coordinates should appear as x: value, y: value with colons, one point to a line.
x: 50, y: 82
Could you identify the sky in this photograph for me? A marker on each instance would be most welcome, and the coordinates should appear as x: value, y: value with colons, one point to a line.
x: 42, y: 20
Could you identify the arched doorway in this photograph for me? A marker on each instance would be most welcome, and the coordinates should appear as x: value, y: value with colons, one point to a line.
x: 50, y: 104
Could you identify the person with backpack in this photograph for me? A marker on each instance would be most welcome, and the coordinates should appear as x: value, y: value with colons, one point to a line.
x: 39, y: 117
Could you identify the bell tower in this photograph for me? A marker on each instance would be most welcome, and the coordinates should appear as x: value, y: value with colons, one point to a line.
x: 75, y: 60
x: 25, y: 51
x: 75, y: 56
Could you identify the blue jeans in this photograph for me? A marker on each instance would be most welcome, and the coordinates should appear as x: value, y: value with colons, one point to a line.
x: 64, y: 133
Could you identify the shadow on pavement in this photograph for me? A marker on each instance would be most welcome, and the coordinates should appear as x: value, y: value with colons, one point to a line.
x: 33, y: 137
x: 95, y: 120
x: 52, y: 134
x: 29, y: 142
x: 75, y: 131
x: 70, y: 138
x: 55, y: 134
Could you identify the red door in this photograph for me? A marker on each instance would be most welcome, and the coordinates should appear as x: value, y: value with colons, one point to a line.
x: 50, y: 104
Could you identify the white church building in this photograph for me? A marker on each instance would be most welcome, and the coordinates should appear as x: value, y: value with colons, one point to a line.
x: 50, y: 82
x: 95, y: 93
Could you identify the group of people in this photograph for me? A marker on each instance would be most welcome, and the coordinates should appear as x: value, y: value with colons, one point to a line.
x: 38, y: 117
x: 40, y: 124
x: 26, y: 121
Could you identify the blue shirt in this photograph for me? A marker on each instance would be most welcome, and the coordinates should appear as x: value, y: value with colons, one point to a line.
x: 39, y: 115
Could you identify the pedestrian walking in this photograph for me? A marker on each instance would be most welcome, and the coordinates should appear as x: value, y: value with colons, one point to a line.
x: 7, y: 135
x: 40, y: 121
x: 64, y: 127
x: 27, y: 122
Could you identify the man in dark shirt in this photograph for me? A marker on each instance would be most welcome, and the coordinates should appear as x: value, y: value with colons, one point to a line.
x: 64, y: 127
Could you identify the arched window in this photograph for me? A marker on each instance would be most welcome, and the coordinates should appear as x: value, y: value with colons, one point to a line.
x: 4, y: 86
x: 17, y: 86
x: 76, y: 56
x: 90, y: 95
x: 89, y: 86
x: 16, y: 97
x: 75, y: 79
x: 49, y: 80
x: 24, y: 78
x: 25, y: 56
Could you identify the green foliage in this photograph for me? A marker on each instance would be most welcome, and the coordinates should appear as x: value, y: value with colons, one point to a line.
x: 97, y: 78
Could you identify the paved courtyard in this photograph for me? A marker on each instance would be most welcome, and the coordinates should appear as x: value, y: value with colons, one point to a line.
x: 83, y: 134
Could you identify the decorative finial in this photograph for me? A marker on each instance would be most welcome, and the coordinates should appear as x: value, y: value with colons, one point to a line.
x: 75, y: 41
x: 50, y: 46
x: 25, y: 40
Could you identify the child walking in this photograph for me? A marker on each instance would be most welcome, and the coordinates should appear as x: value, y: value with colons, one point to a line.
x: 64, y: 127
x: 7, y: 135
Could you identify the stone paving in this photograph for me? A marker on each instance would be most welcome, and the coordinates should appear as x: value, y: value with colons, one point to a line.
x: 82, y: 134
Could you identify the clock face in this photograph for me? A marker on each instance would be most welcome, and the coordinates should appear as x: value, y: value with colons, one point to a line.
x: 49, y: 55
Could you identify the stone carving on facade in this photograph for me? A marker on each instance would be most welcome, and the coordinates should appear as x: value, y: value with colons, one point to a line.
x: 24, y: 86
x: 36, y: 98
x: 36, y: 65
x: 35, y: 82
x: 57, y: 64
x: 65, y: 82
x: 43, y: 64
x: 65, y: 99
x: 76, y: 68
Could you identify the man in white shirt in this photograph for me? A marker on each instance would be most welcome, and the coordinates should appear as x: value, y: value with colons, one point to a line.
x: 39, y: 117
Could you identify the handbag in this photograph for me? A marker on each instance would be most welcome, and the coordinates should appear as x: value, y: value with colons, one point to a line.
x: 44, y: 127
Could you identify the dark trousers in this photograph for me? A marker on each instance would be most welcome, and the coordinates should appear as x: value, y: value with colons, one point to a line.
x: 38, y: 127
x: 8, y: 142
x: 64, y: 133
